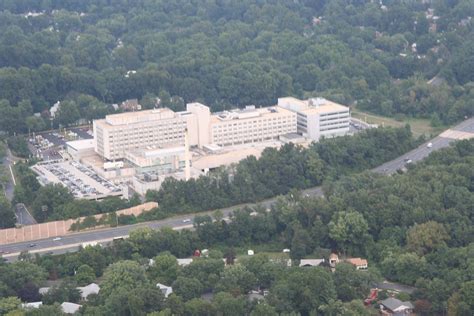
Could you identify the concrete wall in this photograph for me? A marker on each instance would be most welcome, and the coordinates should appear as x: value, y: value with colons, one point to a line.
x: 59, y: 228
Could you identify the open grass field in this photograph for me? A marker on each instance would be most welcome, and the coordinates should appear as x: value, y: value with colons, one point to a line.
x: 418, y: 126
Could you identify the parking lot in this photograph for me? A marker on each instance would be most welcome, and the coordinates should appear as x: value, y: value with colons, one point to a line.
x: 50, y: 145
x: 81, y: 181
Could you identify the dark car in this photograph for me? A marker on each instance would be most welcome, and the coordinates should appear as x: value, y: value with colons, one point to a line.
x: 31, y: 245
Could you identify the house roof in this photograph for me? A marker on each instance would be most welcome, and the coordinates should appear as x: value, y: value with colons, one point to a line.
x: 43, y: 290
x: 166, y: 290
x: 185, y: 261
x: 70, y: 308
x: 357, y: 261
x: 32, y: 305
x: 88, y: 290
x: 311, y: 262
x: 396, y: 305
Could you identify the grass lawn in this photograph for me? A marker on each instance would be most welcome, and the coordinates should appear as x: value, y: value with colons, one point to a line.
x: 418, y: 126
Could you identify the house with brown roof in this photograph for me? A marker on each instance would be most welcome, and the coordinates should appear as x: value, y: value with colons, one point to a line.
x: 359, y: 263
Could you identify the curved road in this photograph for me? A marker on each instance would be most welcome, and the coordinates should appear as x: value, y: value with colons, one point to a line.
x: 104, y: 236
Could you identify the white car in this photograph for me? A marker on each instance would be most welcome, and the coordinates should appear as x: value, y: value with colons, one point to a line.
x: 57, y: 239
x: 429, y: 145
x: 187, y: 220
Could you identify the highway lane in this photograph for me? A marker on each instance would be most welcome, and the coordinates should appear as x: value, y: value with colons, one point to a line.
x: 423, y: 151
x: 71, y: 242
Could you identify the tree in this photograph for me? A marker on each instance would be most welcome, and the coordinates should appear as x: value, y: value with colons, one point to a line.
x: 46, y: 310
x: 405, y: 267
x: 350, y: 283
x: 236, y: 280
x: 127, y: 275
x: 426, y: 237
x: 164, y: 269
x: 466, y: 298
x: 198, y: 307
x: 35, y: 124
x: 302, y: 291
x: 8, y: 304
x: 65, y: 292
x: 7, y: 215
x: 263, y: 309
x: 49, y: 201
x: 300, y: 244
x: 67, y: 114
x: 187, y: 288
x: 138, y: 301
x: 226, y: 304
x: 22, y: 276
x: 348, y: 229
x: 84, y: 275
x: 207, y: 271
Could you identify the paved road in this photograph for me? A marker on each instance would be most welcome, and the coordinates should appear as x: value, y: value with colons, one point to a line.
x: 395, y: 287
x: 9, y: 186
x: 423, y: 151
x: 23, y: 216
x: 71, y: 242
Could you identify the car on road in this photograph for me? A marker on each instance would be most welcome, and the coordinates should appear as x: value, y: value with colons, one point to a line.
x: 187, y: 220
x: 408, y: 161
x: 57, y: 239
x: 32, y: 245
x: 430, y: 145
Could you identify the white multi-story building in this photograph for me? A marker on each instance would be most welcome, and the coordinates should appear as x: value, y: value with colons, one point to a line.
x: 251, y: 125
x: 119, y: 133
x: 318, y: 117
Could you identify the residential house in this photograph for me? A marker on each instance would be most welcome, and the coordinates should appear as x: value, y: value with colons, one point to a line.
x: 70, y: 308
x: 166, y: 290
x: 393, y: 306
x: 185, y: 262
x: 359, y: 263
x: 31, y: 305
x: 88, y: 290
x: 311, y: 262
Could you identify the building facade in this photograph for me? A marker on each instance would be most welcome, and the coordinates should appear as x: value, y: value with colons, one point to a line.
x: 119, y: 133
x: 318, y: 117
x: 251, y: 125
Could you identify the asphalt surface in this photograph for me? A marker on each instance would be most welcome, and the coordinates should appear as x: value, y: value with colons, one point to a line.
x: 9, y: 187
x: 423, y: 151
x: 104, y: 236
x: 23, y: 216
x: 395, y: 287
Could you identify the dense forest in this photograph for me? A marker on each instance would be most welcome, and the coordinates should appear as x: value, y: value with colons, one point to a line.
x: 278, y: 171
x: 92, y: 53
x: 415, y: 228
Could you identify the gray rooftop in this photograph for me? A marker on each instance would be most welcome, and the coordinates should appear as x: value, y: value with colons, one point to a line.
x: 393, y: 304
